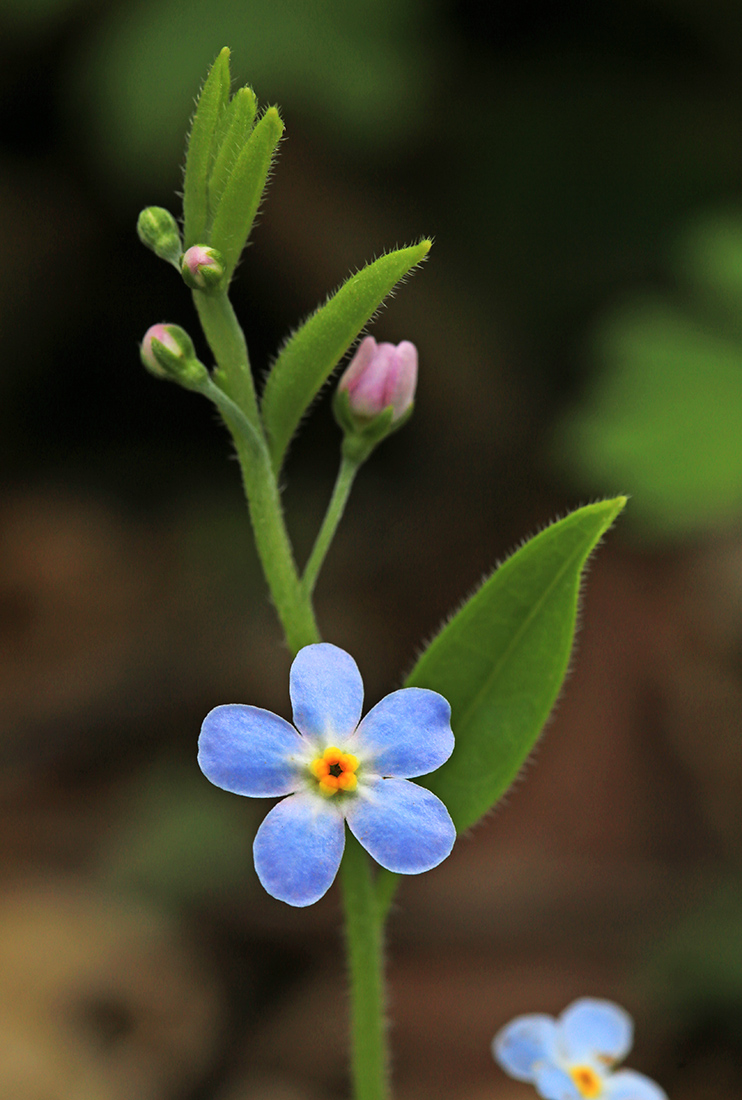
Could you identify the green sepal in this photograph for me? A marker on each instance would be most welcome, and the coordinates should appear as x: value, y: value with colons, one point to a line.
x: 362, y: 437
x: 501, y: 660
x: 241, y: 196
x: 309, y: 356
x: 202, y: 149
x: 237, y: 124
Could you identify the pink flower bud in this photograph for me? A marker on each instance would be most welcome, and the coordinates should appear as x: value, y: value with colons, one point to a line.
x: 380, y: 375
x: 162, y: 334
x: 167, y: 351
x: 202, y: 267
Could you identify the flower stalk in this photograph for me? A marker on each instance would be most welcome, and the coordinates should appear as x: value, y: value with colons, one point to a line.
x: 349, y: 467
x: 293, y: 605
x: 227, y: 341
x: 364, y: 939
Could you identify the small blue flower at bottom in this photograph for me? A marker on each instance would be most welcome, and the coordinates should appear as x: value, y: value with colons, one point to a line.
x: 334, y: 770
x: 572, y: 1058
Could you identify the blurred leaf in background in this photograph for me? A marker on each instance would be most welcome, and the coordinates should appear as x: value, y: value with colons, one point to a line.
x: 697, y: 966
x: 176, y: 842
x: 357, y: 67
x: 663, y: 411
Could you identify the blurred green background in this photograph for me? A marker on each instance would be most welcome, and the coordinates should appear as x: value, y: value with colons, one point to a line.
x: 578, y: 322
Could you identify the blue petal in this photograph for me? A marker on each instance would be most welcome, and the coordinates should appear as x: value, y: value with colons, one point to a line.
x: 627, y: 1085
x: 248, y: 750
x: 405, y: 828
x: 326, y: 692
x: 553, y: 1083
x: 592, y: 1031
x: 298, y: 848
x: 525, y: 1044
x: 408, y: 733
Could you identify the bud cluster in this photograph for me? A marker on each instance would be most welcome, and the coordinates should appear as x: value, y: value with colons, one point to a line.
x: 230, y: 150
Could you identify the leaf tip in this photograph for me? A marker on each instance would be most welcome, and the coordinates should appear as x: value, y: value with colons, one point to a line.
x: 246, y: 93
x: 617, y: 505
x: 221, y: 71
x: 273, y: 117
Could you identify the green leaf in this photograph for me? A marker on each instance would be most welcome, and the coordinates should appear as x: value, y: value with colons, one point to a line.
x: 241, y: 197
x: 501, y: 660
x: 237, y: 121
x: 309, y: 356
x: 212, y: 101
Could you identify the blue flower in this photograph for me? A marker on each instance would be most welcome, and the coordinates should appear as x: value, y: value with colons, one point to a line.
x: 572, y: 1058
x: 334, y: 770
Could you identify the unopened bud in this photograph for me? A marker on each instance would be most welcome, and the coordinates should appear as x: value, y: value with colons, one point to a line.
x: 158, y: 230
x: 381, y: 376
x: 202, y: 268
x: 375, y: 394
x: 167, y: 351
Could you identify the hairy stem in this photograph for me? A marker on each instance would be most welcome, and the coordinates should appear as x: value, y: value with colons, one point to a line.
x: 364, y: 938
x: 336, y: 507
x: 227, y: 342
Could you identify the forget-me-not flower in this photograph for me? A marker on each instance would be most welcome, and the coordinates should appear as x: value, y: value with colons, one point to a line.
x: 334, y: 770
x: 572, y: 1058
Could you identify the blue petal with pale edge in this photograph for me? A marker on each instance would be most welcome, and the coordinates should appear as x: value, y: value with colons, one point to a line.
x: 405, y: 828
x: 553, y: 1083
x: 408, y: 733
x: 248, y: 750
x: 591, y: 1030
x: 326, y: 692
x: 298, y: 848
x: 627, y: 1085
x: 524, y: 1044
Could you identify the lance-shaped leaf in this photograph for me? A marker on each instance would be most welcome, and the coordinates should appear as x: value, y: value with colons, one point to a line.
x: 308, y: 358
x: 241, y: 196
x: 501, y: 660
x: 202, y: 144
x: 237, y: 123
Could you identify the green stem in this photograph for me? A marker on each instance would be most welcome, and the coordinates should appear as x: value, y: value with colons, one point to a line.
x: 227, y: 342
x: 293, y: 605
x: 364, y: 936
x: 385, y: 887
x: 346, y: 474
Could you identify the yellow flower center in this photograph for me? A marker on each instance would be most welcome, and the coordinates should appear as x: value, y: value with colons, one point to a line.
x: 587, y: 1081
x: 335, y: 770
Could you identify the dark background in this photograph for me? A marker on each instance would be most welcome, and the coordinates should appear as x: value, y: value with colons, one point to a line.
x: 579, y: 167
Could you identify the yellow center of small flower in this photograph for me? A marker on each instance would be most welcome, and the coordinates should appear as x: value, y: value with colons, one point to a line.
x: 335, y: 770
x: 587, y: 1081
